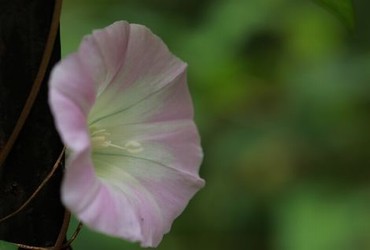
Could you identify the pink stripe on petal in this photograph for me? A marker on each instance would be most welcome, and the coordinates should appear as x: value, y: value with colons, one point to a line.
x: 103, y: 52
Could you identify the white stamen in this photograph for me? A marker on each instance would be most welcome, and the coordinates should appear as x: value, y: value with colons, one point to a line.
x: 133, y: 147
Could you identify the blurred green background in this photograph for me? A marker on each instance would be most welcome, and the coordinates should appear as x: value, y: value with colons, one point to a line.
x: 282, y: 100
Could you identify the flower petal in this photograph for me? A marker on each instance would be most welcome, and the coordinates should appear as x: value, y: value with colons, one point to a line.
x: 103, y: 53
x: 95, y: 203
x: 147, y: 66
x: 157, y: 193
x: 71, y: 96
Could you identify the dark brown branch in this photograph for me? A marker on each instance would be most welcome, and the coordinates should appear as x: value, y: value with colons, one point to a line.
x: 24, y: 31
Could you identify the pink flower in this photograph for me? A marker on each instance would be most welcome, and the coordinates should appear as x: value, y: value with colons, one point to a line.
x: 122, y: 108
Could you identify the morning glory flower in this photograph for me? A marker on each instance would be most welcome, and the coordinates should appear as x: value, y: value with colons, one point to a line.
x: 122, y: 107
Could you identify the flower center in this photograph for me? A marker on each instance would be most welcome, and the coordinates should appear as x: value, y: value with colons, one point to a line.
x: 100, y: 138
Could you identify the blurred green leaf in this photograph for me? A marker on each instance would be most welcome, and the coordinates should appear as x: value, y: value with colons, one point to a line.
x: 343, y: 9
x: 324, y: 217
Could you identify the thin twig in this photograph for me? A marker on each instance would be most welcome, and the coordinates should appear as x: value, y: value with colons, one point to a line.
x: 75, y: 234
x: 43, y: 183
x: 63, y: 231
